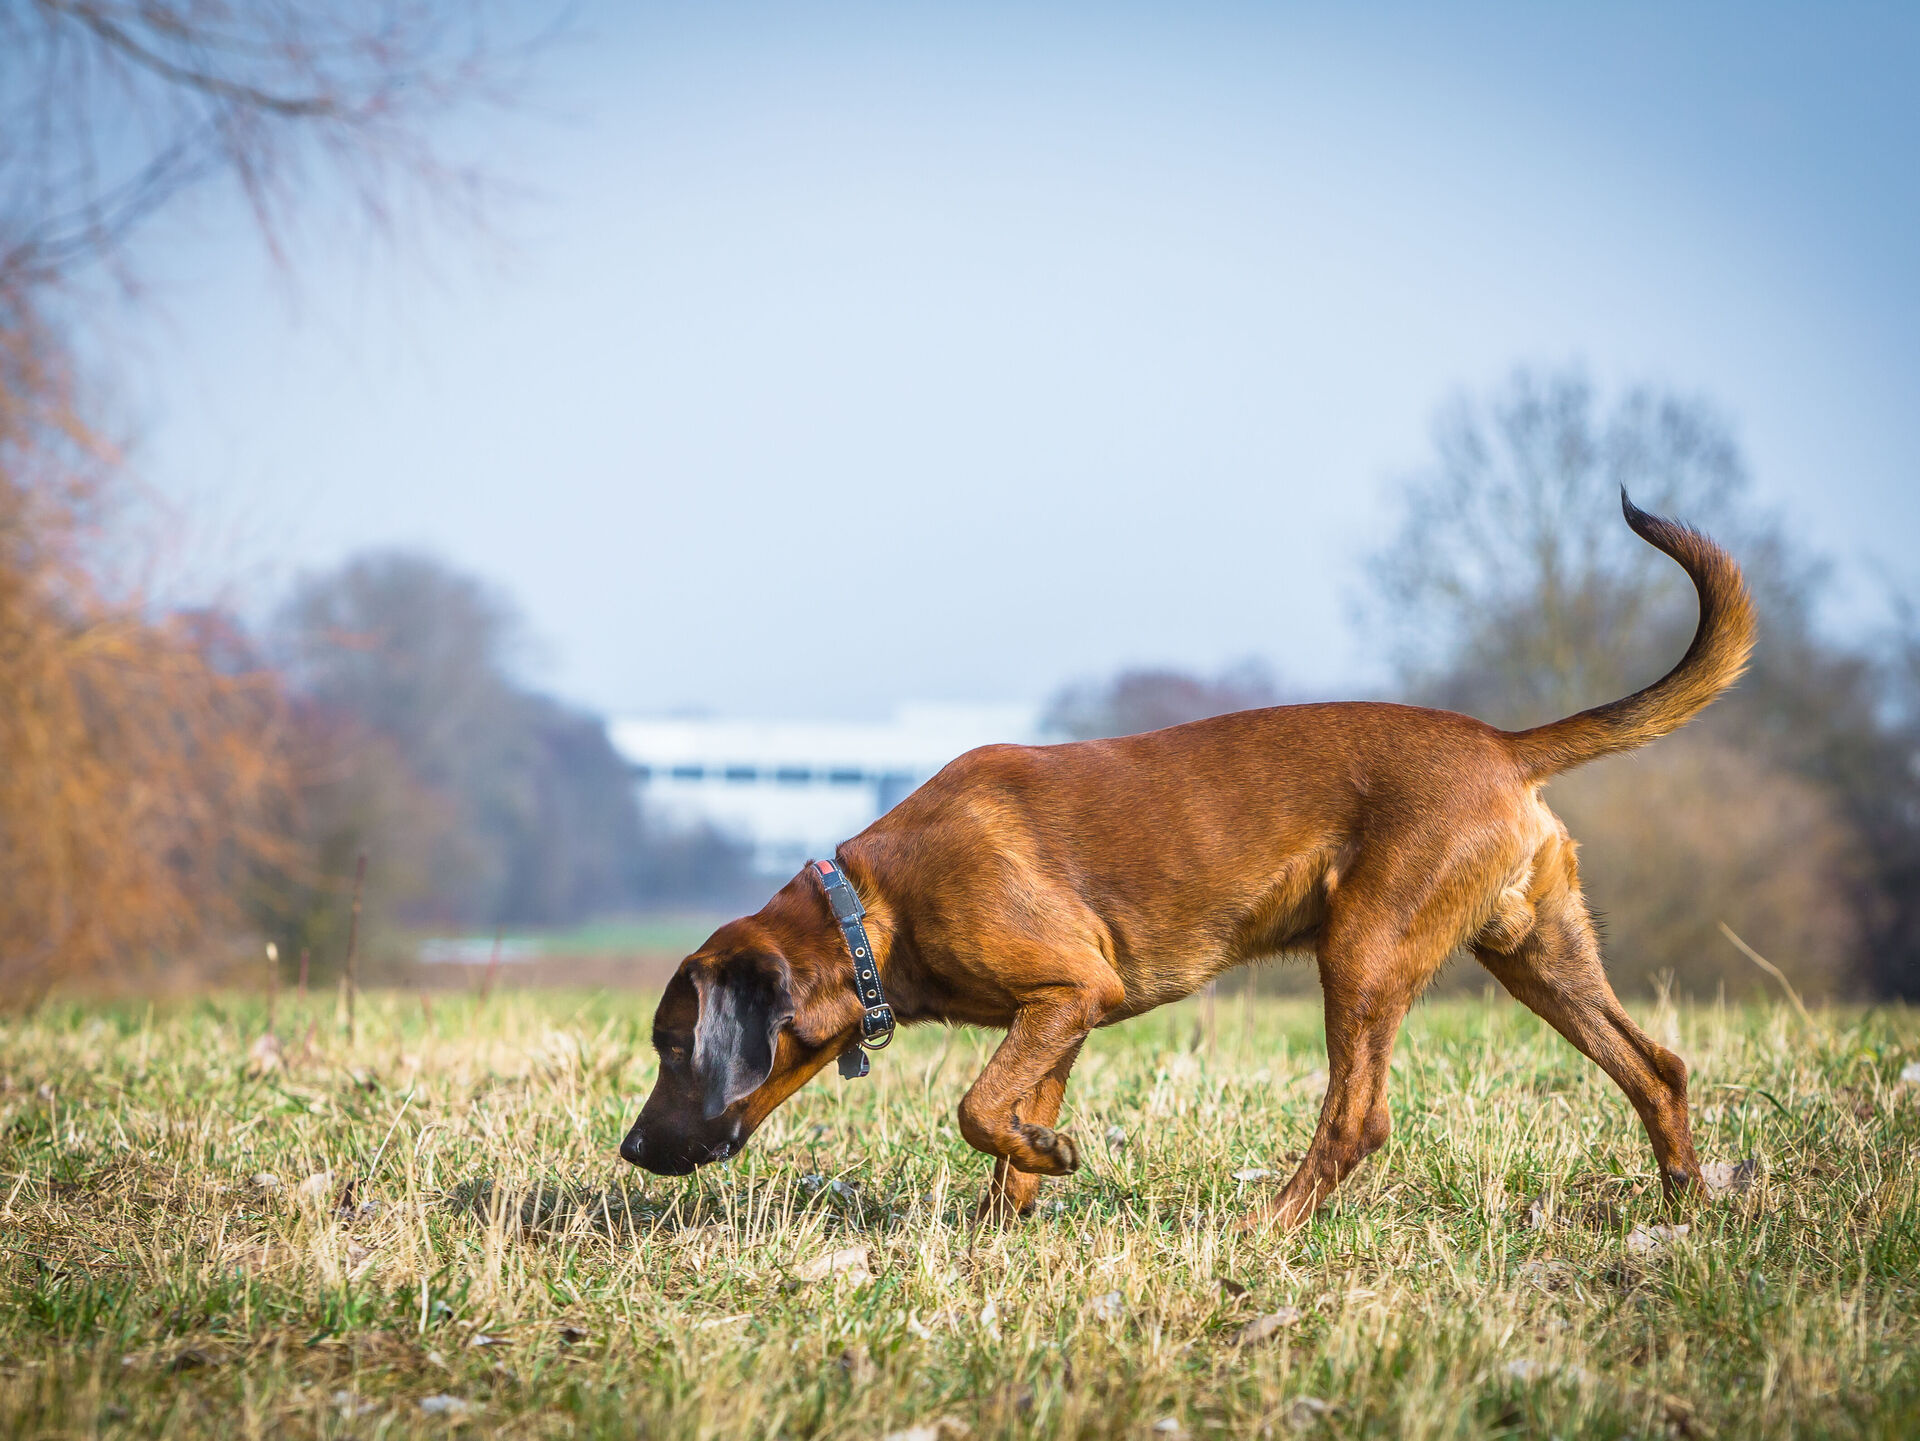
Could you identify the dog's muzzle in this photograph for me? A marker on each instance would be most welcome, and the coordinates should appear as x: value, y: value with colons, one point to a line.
x: 635, y: 1152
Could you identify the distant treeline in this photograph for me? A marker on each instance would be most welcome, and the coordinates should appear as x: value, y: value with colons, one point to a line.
x: 175, y: 784
x: 482, y: 803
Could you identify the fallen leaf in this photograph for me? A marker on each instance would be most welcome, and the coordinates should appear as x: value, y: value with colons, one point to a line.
x: 1642, y: 1240
x: 1265, y: 1328
x: 1232, y: 1287
x: 266, y: 1181
x: 1254, y: 1173
x: 1168, y: 1426
x: 1110, y: 1307
x: 1116, y: 1138
x: 947, y: 1428
x: 317, y: 1187
x: 850, y: 1261
x: 1538, y: 1216
x: 714, y: 1323
x: 1729, y: 1178
x: 445, y: 1405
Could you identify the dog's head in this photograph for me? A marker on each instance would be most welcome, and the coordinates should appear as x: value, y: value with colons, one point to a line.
x: 744, y: 1023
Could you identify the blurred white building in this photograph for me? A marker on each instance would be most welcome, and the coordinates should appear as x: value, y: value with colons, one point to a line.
x: 796, y: 789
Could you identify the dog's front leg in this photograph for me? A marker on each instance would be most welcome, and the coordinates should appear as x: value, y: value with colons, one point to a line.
x: 1013, y: 1192
x: 1030, y: 1068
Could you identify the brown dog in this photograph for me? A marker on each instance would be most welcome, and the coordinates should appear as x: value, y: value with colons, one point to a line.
x: 1051, y: 889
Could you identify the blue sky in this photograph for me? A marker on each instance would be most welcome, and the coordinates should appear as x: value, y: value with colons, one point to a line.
x: 835, y: 356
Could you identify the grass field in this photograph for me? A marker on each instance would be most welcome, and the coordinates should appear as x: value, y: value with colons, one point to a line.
x: 472, y: 1256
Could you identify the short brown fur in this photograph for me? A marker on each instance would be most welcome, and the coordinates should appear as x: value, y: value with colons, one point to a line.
x: 1049, y: 890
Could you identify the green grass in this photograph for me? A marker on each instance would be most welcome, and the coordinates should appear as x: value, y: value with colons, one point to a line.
x: 676, y: 935
x: 508, y: 1260
x: 673, y: 935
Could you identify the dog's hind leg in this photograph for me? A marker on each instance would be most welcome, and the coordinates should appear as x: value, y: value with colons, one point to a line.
x: 1555, y: 971
x: 1369, y: 979
x: 1013, y: 1192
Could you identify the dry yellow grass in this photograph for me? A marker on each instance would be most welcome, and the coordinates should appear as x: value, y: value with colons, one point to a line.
x: 478, y: 1259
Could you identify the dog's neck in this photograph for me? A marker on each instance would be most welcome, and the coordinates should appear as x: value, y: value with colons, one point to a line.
x: 881, y: 932
x: 803, y: 926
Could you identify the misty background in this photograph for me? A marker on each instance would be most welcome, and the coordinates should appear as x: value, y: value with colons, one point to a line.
x: 1131, y: 365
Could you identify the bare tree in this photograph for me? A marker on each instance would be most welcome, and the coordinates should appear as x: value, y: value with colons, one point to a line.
x: 110, y: 109
x: 399, y: 647
x: 1148, y: 699
x: 141, y: 759
x: 147, y: 779
x: 1695, y: 832
x: 1512, y: 590
x: 532, y: 816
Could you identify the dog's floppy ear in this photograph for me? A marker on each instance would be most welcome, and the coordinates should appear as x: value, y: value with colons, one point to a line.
x: 743, y: 1004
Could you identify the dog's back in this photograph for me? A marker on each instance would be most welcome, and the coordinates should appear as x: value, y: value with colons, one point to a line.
x: 1183, y: 852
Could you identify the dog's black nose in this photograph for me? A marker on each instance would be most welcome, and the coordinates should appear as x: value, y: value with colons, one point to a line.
x: 633, y: 1148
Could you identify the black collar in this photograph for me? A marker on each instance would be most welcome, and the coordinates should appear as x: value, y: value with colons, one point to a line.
x: 876, y: 1016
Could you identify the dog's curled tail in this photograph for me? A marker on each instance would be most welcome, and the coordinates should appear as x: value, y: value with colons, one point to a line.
x: 1721, y: 644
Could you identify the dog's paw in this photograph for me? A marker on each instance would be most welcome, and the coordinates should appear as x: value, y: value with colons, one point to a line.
x: 1043, y: 1152
x: 1683, y: 1189
x: 1285, y: 1212
x: 999, y: 1208
x: 1010, y: 1193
